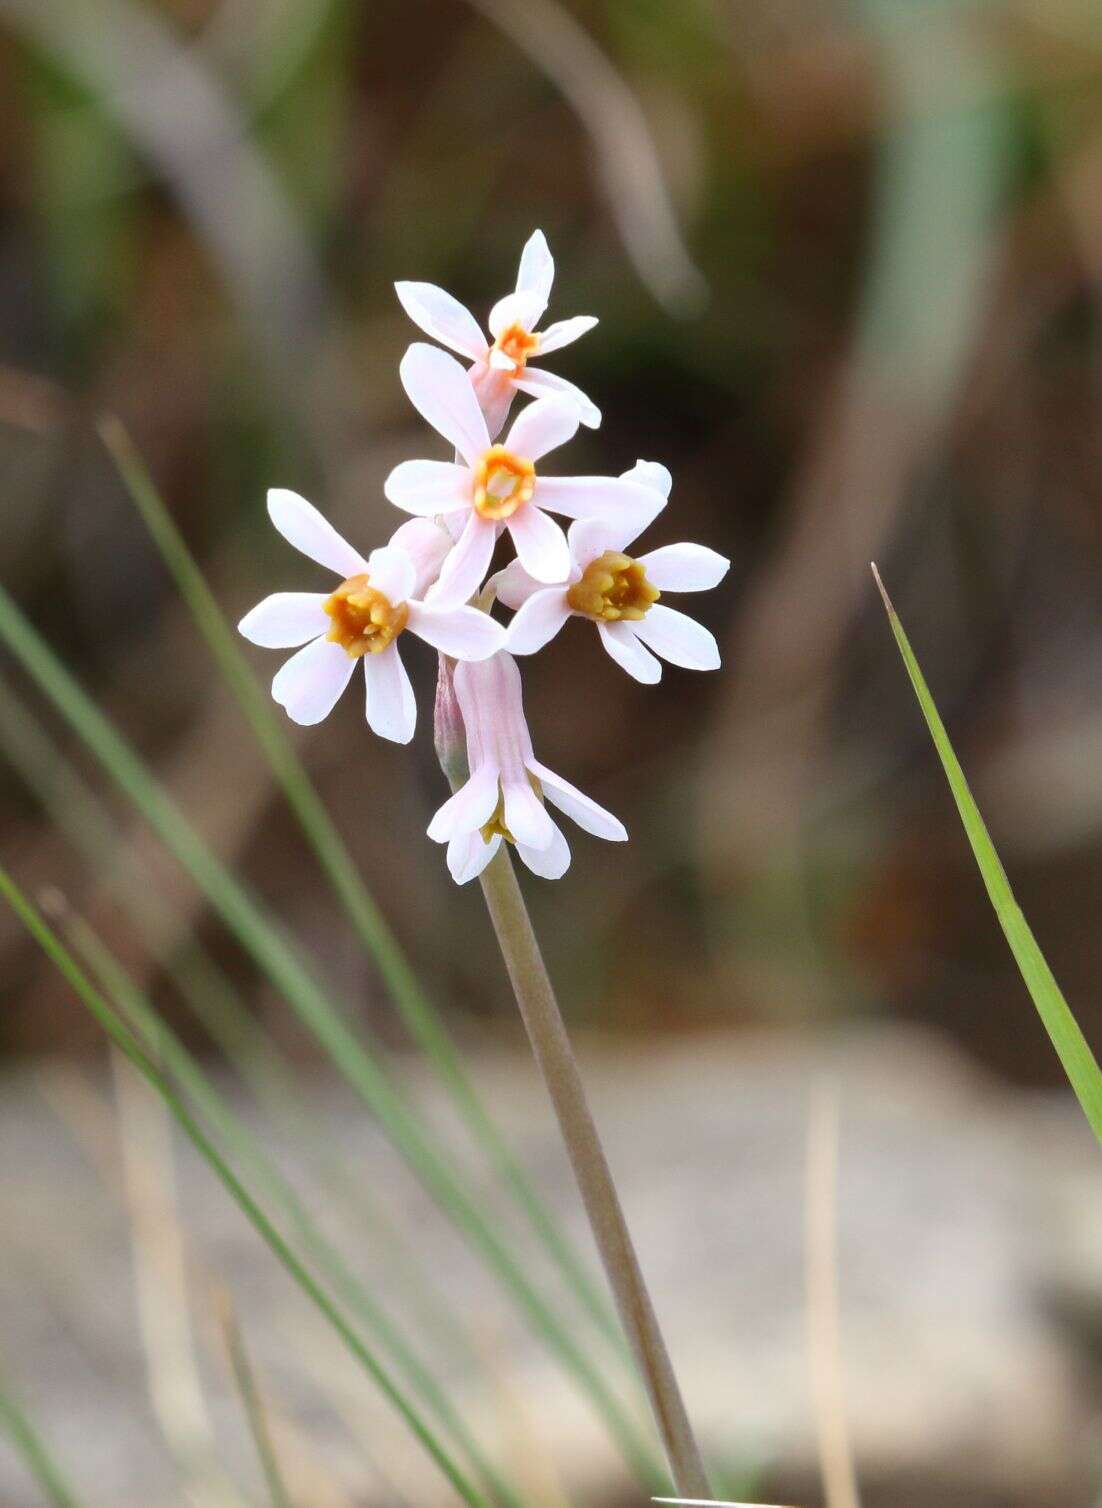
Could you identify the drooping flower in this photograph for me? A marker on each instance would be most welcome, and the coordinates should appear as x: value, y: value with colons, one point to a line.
x: 501, y: 367
x: 496, y: 485
x: 619, y: 593
x: 504, y: 798
x: 377, y: 600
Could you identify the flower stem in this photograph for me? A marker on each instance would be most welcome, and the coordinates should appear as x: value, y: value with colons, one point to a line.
x: 555, y: 1058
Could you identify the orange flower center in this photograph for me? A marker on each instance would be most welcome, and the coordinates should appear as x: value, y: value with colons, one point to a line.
x: 503, y: 483
x: 518, y: 344
x: 613, y: 587
x: 364, y: 621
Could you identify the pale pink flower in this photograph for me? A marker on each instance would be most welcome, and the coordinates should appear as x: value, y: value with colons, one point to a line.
x: 377, y: 599
x: 619, y: 593
x: 495, y: 486
x: 501, y: 367
x: 505, y: 795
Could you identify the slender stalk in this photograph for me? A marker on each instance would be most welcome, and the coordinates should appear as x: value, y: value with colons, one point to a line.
x: 555, y: 1058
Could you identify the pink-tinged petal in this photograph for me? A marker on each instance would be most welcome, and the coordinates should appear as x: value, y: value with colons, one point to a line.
x: 391, y: 709
x: 525, y: 814
x: 651, y: 474
x: 469, y: 854
x: 286, y: 619
x: 539, y: 384
x: 607, y: 497
x: 514, y: 586
x: 685, y: 568
x: 472, y: 805
x: 427, y: 488
x: 464, y: 570
x: 309, y: 685
x: 427, y: 544
x: 441, y: 392
x: 536, y: 272
x: 550, y: 863
x: 495, y: 392
x: 465, y: 633
x: 500, y: 362
x: 678, y: 638
x: 491, y: 700
x: 543, y: 426
x: 620, y: 642
x: 540, y: 544
x: 442, y: 317
x: 522, y: 309
x: 303, y: 526
x: 538, y: 621
x: 392, y: 572
x: 564, y: 332
x: 579, y: 807
x: 590, y: 537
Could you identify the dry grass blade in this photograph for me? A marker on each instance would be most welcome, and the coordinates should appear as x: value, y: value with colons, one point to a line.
x: 254, y: 1407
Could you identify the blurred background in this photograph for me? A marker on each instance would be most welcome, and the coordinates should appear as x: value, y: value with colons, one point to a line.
x: 847, y: 260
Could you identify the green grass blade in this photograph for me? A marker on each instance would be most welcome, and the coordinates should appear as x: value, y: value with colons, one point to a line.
x: 255, y: 1412
x: 123, y: 1039
x: 422, y: 1021
x: 29, y: 1444
x: 1071, y: 1046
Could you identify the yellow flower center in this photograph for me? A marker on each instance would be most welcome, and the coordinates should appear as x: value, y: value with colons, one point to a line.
x: 518, y: 344
x: 503, y: 483
x: 613, y: 587
x: 364, y: 621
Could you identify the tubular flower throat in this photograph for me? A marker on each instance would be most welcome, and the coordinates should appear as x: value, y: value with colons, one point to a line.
x: 613, y: 587
x: 365, y: 622
x: 503, y: 483
x: 518, y: 344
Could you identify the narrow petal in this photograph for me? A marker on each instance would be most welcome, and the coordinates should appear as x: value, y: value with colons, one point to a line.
x: 468, y: 855
x: 465, y: 633
x: 427, y: 544
x: 543, y: 426
x: 441, y: 392
x: 428, y: 487
x: 651, y: 474
x: 514, y: 586
x: 443, y: 317
x: 608, y: 497
x: 303, y: 526
x: 678, y: 638
x: 391, y: 709
x: 525, y: 814
x: 550, y: 863
x: 522, y: 309
x: 464, y: 570
x: 392, y: 572
x: 590, y: 537
x: 536, y: 272
x: 538, y: 621
x: 685, y: 568
x: 309, y: 684
x: 540, y: 544
x: 565, y: 332
x: 471, y: 806
x: 577, y: 805
x: 539, y: 384
x: 286, y: 619
x: 620, y: 642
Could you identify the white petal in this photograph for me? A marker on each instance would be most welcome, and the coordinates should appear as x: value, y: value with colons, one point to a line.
x: 537, y: 267
x: 538, y: 384
x: 500, y: 362
x: 427, y: 544
x: 469, y: 854
x: 540, y: 544
x: 428, y: 487
x: 590, y: 537
x: 286, y: 619
x: 543, y: 426
x: 678, y: 638
x: 464, y: 570
x: 525, y: 814
x: 620, y: 642
x: 441, y: 392
x: 607, y: 497
x: 565, y: 332
x: 303, y: 526
x: 465, y: 633
x: 391, y: 709
x: 442, y: 317
x: 577, y: 805
x: 685, y: 568
x: 514, y: 586
x: 550, y: 863
x: 522, y: 309
x: 651, y: 474
x: 538, y: 621
x: 309, y: 684
x: 392, y: 572
x: 472, y: 805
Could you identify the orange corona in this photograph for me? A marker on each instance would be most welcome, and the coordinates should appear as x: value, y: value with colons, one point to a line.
x: 364, y: 621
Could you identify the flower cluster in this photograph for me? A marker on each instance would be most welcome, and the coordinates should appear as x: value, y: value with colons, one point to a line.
x: 432, y: 577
